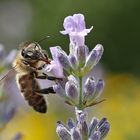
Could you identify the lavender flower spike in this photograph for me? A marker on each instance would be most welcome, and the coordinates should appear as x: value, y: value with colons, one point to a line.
x: 74, y: 90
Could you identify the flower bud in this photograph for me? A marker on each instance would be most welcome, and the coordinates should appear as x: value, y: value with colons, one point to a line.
x: 93, y: 125
x: 104, y: 130
x: 73, y: 61
x: 59, y: 90
x: 93, y: 57
x: 75, y: 135
x: 71, y: 90
x: 99, y: 48
x: 89, y: 89
x: 81, y: 55
x: 95, y: 136
x: 63, y: 59
x: 73, y: 79
x: 70, y: 124
x: 99, y: 88
x: 102, y: 121
x: 62, y: 131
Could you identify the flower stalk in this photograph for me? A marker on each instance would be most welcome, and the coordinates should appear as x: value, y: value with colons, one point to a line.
x: 76, y: 92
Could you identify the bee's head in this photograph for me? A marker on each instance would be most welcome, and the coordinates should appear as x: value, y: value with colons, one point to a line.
x: 33, y: 52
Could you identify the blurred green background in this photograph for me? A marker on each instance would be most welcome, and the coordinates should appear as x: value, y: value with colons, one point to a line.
x: 116, y: 27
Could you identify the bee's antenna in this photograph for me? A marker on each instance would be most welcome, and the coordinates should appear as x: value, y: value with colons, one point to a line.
x: 41, y: 40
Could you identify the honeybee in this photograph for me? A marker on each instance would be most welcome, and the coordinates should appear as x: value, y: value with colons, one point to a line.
x: 30, y: 60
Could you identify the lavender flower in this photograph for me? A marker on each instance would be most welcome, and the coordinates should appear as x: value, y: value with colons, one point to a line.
x: 75, y: 27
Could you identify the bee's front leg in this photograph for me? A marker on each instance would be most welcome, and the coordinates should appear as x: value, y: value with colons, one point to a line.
x: 45, y: 76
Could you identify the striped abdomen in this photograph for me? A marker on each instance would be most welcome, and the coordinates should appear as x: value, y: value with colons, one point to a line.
x: 34, y: 99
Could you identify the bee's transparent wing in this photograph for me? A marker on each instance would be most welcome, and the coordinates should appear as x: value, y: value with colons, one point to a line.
x: 5, y: 77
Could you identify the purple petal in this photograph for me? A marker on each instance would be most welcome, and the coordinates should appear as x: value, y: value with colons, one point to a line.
x: 80, y: 21
x: 77, y: 40
x: 75, y: 25
x: 54, y: 52
x: 55, y: 67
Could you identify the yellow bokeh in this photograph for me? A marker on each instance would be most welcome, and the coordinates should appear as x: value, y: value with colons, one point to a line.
x: 122, y: 106
x: 31, y: 125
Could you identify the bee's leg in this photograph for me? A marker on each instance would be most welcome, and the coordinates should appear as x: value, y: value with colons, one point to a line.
x: 48, y: 90
x: 36, y: 89
x: 45, y: 76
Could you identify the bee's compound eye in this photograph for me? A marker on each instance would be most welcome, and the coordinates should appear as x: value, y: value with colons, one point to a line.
x: 26, y: 54
x: 29, y: 53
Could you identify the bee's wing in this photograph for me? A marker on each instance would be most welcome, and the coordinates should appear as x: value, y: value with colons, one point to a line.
x: 10, y: 74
